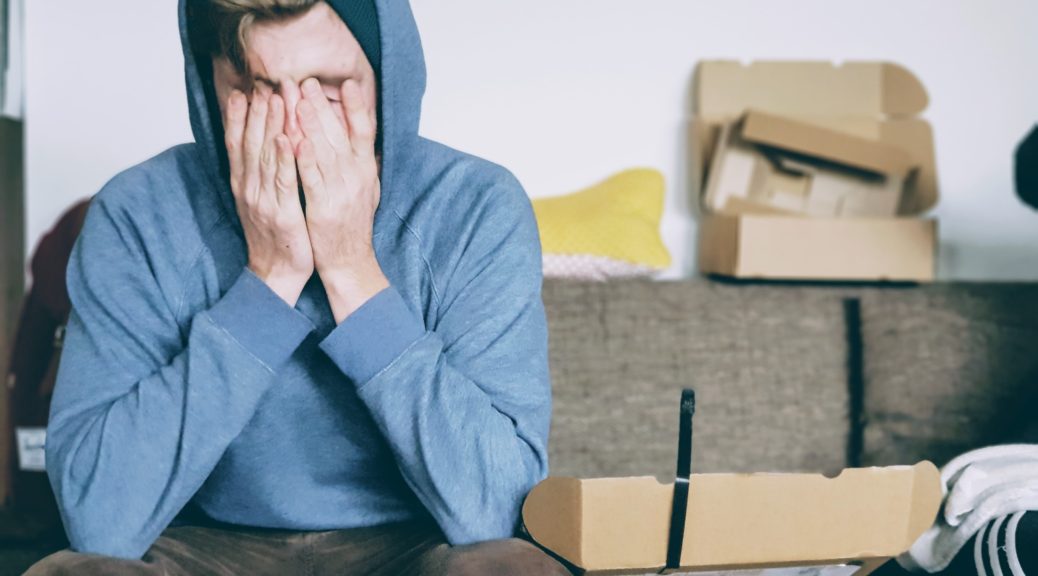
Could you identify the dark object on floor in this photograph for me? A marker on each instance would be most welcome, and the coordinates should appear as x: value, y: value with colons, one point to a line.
x: 891, y: 568
x: 995, y: 549
x: 1027, y: 542
x: 1027, y: 169
x: 17, y: 554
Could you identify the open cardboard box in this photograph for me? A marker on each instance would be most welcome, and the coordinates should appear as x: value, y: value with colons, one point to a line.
x: 865, y: 110
x: 736, y: 521
x: 769, y: 163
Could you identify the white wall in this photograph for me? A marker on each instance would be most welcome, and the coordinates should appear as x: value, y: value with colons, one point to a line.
x: 565, y: 92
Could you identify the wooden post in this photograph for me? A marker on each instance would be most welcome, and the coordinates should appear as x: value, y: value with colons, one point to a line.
x: 12, y: 275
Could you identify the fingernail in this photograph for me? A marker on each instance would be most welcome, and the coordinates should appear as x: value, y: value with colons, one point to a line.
x: 311, y: 85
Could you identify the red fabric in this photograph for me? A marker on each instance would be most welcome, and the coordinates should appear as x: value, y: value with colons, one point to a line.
x: 45, y: 308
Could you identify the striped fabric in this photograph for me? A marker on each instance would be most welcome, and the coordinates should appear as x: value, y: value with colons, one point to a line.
x: 1005, y: 547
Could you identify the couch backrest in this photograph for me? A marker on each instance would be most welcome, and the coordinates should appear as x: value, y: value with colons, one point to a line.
x: 788, y: 377
x: 769, y: 365
x: 948, y: 368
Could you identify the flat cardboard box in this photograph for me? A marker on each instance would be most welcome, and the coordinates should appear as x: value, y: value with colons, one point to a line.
x: 806, y: 169
x: 735, y: 521
x: 876, y: 101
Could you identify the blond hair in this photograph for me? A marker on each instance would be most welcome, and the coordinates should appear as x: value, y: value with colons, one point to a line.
x: 220, y: 27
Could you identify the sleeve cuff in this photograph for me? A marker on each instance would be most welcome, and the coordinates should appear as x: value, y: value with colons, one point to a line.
x: 373, y: 336
x: 260, y: 320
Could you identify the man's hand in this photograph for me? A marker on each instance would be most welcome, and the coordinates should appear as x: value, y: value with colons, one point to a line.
x: 339, y: 173
x: 263, y: 180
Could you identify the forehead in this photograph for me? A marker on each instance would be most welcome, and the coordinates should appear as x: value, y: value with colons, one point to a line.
x: 316, y: 43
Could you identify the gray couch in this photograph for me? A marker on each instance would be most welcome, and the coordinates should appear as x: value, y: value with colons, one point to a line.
x: 788, y: 377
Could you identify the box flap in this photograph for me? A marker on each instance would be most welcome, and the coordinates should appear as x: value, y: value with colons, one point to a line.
x: 832, y: 145
x: 805, y: 88
x: 555, y: 513
x: 844, y: 98
x: 736, y: 520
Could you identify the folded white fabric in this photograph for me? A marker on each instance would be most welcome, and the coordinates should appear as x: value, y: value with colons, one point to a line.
x: 979, y: 486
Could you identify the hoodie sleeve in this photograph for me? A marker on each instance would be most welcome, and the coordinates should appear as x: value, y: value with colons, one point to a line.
x: 465, y: 405
x: 144, y: 408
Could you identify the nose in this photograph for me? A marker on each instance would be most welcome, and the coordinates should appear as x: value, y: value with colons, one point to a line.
x: 291, y: 94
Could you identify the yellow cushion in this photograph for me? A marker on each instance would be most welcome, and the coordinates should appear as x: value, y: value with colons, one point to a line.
x: 616, y: 220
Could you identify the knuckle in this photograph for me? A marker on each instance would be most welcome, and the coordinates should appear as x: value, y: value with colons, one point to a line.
x: 362, y: 123
x: 249, y: 195
x: 250, y: 157
x: 263, y: 211
x: 258, y: 108
x: 284, y: 220
x: 320, y: 219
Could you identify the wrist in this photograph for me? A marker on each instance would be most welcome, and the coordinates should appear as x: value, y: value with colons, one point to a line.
x: 349, y: 288
x: 288, y: 286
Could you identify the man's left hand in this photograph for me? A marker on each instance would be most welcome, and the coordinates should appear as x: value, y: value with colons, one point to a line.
x: 339, y: 173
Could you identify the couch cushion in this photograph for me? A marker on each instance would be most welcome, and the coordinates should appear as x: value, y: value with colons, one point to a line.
x: 768, y: 365
x: 947, y: 368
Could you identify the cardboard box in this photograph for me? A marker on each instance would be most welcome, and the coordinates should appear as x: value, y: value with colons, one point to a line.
x: 736, y: 521
x: 857, y: 116
x: 836, y: 249
x: 800, y: 168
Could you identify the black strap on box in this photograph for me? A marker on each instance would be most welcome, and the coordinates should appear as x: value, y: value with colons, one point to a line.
x: 681, y: 481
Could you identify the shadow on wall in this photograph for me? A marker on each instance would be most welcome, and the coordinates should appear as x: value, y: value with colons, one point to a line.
x: 968, y: 261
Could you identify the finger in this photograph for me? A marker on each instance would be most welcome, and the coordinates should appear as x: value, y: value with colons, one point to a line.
x: 371, y: 98
x: 287, y: 187
x: 268, y: 171
x: 233, y: 131
x: 309, y: 173
x: 359, y: 117
x: 324, y: 155
x: 333, y: 129
x: 255, y: 129
x: 275, y: 118
x: 275, y: 123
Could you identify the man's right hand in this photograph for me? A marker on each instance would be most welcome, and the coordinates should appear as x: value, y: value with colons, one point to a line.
x: 263, y: 180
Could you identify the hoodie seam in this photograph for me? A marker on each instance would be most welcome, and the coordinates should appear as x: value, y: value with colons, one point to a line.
x: 238, y: 343
x: 202, y: 250
x: 421, y: 253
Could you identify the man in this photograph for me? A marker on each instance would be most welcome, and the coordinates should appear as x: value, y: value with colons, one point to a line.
x: 313, y: 335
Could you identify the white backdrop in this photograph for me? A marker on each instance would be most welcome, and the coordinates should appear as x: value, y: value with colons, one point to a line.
x: 565, y: 92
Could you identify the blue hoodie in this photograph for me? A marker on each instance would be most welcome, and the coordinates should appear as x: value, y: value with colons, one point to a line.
x: 184, y: 379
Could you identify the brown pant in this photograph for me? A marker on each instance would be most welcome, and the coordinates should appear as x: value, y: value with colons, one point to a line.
x: 411, y: 549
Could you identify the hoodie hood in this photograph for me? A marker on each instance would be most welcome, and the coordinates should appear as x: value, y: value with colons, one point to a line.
x: 401, y: 82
